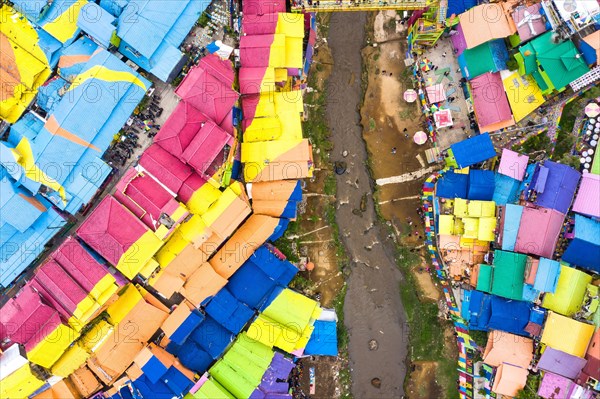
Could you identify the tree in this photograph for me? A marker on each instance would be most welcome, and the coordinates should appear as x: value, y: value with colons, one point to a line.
x: 531, y: 388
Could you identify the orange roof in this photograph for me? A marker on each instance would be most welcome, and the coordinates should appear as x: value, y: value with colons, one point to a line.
x: 85, y: 382
x: 503, y: 347
x: 486, y: 22
x: 509, y: 379
x: 60, y: 390
x: 203, y: 283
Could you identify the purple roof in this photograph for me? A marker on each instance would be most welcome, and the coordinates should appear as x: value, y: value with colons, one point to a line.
x: 561, y: 363
x: 586, y: 201
x: 554, y: 386
x: 458, y: 40
x: 279, y: 369
x: 513, y: 164
x: 560, y: 187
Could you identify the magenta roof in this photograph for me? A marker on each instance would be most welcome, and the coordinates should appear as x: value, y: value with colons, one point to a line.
x: 587, y: 200
x: 79, y: 263
x: 111, y: 229
x: 227, y: 123
x: 205, y: 146
x: 251, y: 79
x: 255, y: 50
x: 537, y: 22
x: 249, y: 105
x: 222, y: 69
x: 538, y: 231
x: 165, y: 167
x: 489, y: 99
x: 26, y: 320
x: 144, y: 197
x: 190, y: 186
x: 208, y: 88
x: 554, y: 386
x: 513, y: 164
x: 260, y: 24
x: 180, y: 128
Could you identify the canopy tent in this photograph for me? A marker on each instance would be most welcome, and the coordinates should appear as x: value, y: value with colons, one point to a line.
x: 443, y: 118
x: 584, y: 249
x: 504, y: 347
x: 435, y: 93
x: 561, y: 363
x: 539, y: 231
x: 513, y: 164
x: 586, y: 201
x: 575, y: 343
x: 570, y: 291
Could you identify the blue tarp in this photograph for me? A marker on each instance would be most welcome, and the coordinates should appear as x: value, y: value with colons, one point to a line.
x: 474, y: 150
x: 584, y: 250
x: 323, y: 340
x: 506, y: 190
x: 481, y: 185
x: 546, y: 278
x: 228, y: 311
x: 452, y: 185
x: 560, y: 187
x: 480, y: 308
x: 512, y: 220
x: 509, y: 315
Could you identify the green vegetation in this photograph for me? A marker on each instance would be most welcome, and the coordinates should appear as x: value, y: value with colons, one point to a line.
x: 203, y: 20
x: 575, y: 107
x: 536, y: 143
x: 302, y: 284
x: 342, y: 336
x: 564, y: 143
x: 330, y: 184
x: 480, y: 337
x: 531, y: 388
x: 512, y: 63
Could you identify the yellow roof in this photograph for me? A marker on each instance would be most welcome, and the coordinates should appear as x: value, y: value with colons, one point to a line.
x: 487, y: 225
x: 481, y: 208
x: 575, y: 342
x: 524, y: 94
x: 49, y: 350
x: 446, y: 224
x: 20, y: 384
x: 471, y: 227
x: 460, y: 207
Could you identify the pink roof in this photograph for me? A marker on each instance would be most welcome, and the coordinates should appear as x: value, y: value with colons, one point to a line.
x: 190, y: 186
x: 79, y: 263
x: 111, y: 229
x: 538, y: 231
x: 260, y: 24
x: 255, y: 50
x: 227, y: 123
x: 58, y: 288
x: 180, y: 128
x: 489, y: 99
x: 208, y: 89
x: 436, y: 93
x: 538, y: 23
x: 26, y: 320
x: 586, y: 201
x: 513, y: 164
x: 249, y: 104
x: 166, y: 168
x: 260, y: 7
x: 251, y: 79
x: 554, y: 386
x: 222, y: 69
x: 144, y: 197
x: 204, y: 148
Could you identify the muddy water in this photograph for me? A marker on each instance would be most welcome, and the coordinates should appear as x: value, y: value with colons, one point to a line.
x: 373, y: 309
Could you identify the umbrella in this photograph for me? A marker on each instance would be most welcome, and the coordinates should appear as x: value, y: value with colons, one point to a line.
x: 588, y: 159
x: 592, y: 110
x: 591, y: 151
x: 410, y: 95
x: 420, y: 137
x: 582, y: 160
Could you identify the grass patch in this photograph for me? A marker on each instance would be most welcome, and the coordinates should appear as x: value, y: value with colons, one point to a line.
x: 564, y: 143
x: 330, y: 186
x: 536, y: 143
x: 301, y: 283
x: 575, y: 107
x: 372, y: 124
x: 480, y: 337
x: 344, y: 377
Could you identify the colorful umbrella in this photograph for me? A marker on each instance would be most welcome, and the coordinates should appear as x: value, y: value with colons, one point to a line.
x: 420, y: 137
x: 410, y: 95
x: 592, y: 110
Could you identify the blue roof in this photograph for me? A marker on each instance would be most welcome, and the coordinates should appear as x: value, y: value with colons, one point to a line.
x: 474, y: 150
x: 481, y: 185
x: 83, y: 47
x: 228, y: 311
x: 584, y: 250
x: 323, y: 340
x: 480, y: 310
x: 506, y: 190
x: 98, y: 23
x: 530, y: 294
x: 187, y: 327
x: 50, y: 93
x: 509, y: 315
x: 546, y: 278
x: 452, y: 185
x: 512, y: 220
x: 459, y: 6
x: 559, y: 189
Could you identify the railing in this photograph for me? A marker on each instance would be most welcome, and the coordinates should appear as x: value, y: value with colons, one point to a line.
x: 368, y: 5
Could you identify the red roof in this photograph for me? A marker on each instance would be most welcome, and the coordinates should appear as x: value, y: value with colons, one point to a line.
x: 255, y: 50
x: 26, y: 320
x: 204, y: 148
x: 260, y: 7
x: 79, y: 263
x: 538, y: 231
x: 260, y: 24
x: 111, y: 229
x: 190, y: 186
x: 180, y: 128
x: 165, y: 167
x: 489, y: 99
x: 208, y: 88
x: 144, y: 197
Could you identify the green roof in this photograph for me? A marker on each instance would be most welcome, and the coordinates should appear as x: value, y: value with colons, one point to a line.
x: 570, y: 290
x: 529, y: 58
x: 596, y: 164
x: 484, y: 279
x: 479, y: 60
x: 210, y: 390
x: 509, y: 274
